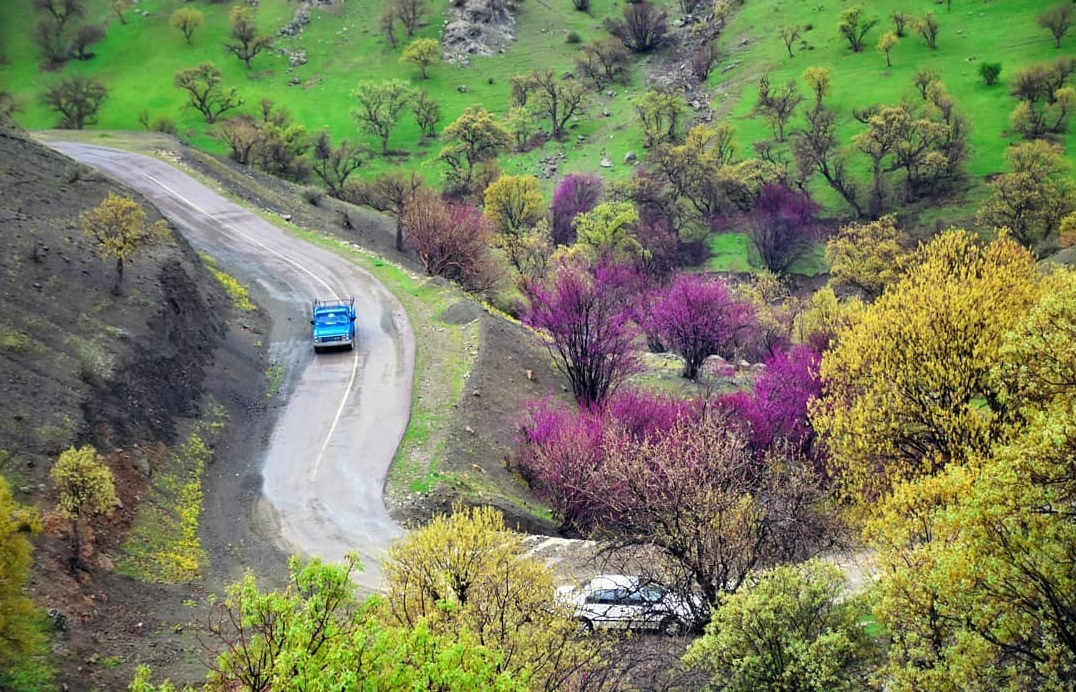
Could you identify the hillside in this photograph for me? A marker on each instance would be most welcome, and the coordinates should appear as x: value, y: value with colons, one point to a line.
x: 340, y: 46
x: 111, y: 380
x: 129, y: 374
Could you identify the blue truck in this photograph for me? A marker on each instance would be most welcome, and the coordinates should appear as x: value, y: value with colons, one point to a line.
x: 333, y: 324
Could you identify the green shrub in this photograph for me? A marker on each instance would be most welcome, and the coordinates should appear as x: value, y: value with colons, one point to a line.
x: 989, y: 71
x: 573, y: 38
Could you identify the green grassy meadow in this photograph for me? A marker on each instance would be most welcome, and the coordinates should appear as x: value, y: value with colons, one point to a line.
x: 971, y: 33
x: 343, y: 46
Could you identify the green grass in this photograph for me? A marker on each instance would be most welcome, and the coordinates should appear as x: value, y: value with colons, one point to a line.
x: 273, y: 375
x: 137, y: 61
x: 1003, y: 32
x: 32, y: 672
x: 729, y: 252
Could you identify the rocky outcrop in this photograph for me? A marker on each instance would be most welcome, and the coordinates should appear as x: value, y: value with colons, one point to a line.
x: 477, y: 27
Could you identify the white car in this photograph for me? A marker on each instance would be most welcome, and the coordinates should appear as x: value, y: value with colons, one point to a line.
x: 626, y: 602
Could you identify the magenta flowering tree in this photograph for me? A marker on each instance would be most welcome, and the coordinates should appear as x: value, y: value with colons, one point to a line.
x: 781, y: 227
x: 575, y: 195
x: 675, y: 476
x: 697, y: 317
x: 560, y: 457
x: 587, y: 328
x: 774, y: 412
x: 562, y: 450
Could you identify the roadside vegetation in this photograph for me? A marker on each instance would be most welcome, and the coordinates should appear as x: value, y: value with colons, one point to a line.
x: 163, y: 544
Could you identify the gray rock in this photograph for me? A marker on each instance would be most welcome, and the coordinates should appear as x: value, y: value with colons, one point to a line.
x: 606, y: 163
x: 630, y: 157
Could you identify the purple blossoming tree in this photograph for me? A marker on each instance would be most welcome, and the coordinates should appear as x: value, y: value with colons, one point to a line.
x: 781, y: 227
x: 587, y: 328
x: 774, y: 412
x: 698, y: 317
x: 575, y: 195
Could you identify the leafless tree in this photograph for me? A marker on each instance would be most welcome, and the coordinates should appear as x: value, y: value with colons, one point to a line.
x: 334, y: 165
x: 86, y: 35
x: 642, y: 28
x: 789, y: 34
x: 77, y: 100
x: 558, y: 99
x: 390, y: 193
x: 206, y: 95
x: 409, y: 12
x: 1058, y: 21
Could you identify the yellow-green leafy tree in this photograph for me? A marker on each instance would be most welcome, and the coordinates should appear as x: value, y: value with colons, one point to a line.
x: 422, y: 53
x: 118, y: 230
x: 1034, y: 197
x: 907, y: 388
x: 187, y: 20
x: 316, y: 635
x: 513, y: 203
x: 473, y: 138
x: 84, y: 485
x: 17, y: 635
x: 609, y: 230
x: 792, y: 628
x: 977, y: 564
x: 868, y: 256
x: 469, y: 572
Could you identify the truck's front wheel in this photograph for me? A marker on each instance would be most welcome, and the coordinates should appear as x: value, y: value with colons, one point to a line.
x: 317, y: 349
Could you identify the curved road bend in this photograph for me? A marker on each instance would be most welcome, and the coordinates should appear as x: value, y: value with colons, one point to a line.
x: 326, y: 463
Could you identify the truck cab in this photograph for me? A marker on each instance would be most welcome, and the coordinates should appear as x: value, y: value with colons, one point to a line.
x: 333, y: 324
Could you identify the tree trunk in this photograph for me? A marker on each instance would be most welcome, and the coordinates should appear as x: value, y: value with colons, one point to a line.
x: 119, y: 276
x: 76, y: 547
x: 399, y: 232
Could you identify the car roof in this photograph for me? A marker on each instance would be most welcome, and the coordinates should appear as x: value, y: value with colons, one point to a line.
x: 615, y: 581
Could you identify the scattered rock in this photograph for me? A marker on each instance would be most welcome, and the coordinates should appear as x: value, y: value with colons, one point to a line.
x: 630, y: 157
x: 462, y: 88
x: 606, y: 113
x: 298, y: 21
x: 606, y: 163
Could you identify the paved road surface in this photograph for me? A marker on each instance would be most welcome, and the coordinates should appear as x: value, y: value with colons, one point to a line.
x: 325, y: 467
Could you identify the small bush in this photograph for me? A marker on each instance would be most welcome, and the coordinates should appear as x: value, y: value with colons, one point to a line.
x: 581, y: 5
x: 990, y: 71
x: 165, y: 125
x: 313, y: 195
x: 76, y: 172
x: 573, y: 38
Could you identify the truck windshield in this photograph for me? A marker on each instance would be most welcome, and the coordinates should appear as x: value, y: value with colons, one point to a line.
x: 331, y: 318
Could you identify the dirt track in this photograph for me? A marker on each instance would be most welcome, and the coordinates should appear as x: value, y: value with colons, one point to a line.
x: 324, y: 467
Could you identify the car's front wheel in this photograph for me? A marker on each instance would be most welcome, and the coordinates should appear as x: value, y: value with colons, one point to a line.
x: 584, y: 627
x: 673, y: 627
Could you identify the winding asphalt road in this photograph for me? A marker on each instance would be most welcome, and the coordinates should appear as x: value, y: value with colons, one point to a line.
x: 326, y: 463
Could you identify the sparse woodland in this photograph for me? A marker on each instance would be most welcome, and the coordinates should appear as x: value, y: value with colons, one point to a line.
x: 918, y: 405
